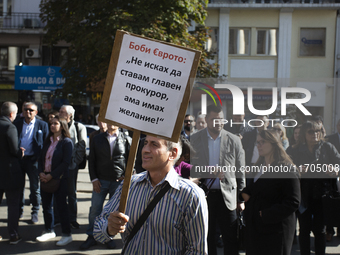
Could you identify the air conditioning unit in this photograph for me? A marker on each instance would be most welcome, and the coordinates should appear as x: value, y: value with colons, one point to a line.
x: 32, y: 53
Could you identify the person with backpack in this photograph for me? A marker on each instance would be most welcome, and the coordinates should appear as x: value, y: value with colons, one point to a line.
x: 109, y: 152
x: 78, y: 137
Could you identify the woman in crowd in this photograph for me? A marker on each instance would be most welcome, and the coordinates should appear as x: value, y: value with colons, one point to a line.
x: 296, y: 131
x: 51, y: 116
x: 54, y: 161
x: 293, y: 140
x: 281, y: 130
x: 182, y: 165
x: 311, y: 149
x: 271, y: 200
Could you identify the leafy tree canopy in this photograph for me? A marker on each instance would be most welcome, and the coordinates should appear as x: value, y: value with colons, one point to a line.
x: 90, y: 27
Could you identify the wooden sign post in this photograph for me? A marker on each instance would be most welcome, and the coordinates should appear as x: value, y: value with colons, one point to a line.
x: 147, y: 89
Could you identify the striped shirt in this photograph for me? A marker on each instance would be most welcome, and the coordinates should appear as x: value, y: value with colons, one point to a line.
x: 177, y: 225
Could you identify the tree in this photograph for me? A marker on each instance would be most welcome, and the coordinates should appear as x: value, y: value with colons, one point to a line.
x: 90, y: 26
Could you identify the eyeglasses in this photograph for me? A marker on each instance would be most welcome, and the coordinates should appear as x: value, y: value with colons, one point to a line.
x: 312, y: 131
x: 28, y: 109
x: 260, y: 143
x: 187, y: 121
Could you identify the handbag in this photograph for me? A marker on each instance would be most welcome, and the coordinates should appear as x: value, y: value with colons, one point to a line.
x: 241, y: 233
x: 51, y: 186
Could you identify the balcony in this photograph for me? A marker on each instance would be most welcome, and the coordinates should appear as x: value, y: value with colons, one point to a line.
x: 13, y: 21
x: 275, y: 3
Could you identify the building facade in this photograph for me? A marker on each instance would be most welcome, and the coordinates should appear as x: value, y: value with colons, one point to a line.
x: 22, y: 46
x: 262, y: 44
x: 267, y: 43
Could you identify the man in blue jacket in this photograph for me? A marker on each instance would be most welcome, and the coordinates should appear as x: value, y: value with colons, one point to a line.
x: 32, y: 132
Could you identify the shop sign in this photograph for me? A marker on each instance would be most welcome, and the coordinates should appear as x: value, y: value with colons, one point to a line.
x: 38, y: 78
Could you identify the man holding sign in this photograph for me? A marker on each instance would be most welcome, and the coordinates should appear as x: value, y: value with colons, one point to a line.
x: 178, y: 223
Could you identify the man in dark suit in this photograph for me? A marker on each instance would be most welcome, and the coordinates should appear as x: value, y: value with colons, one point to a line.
x: 102, y: 128
x: 11, y: 175
x: 32, y: 132
x: 216, y: 147
x: 236, y: 127
x: 335, y: 140
x: 109, y: 152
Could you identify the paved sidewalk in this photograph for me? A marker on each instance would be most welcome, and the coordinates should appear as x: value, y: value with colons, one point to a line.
x: 29, y: 231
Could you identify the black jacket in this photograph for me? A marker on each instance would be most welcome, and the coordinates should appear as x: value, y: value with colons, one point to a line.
x: 248, y: 143
x: 315, y: 184
x: 277, y: 197
x: 102, y: 164
x: 334, y: 139
x: 61, y: 158
x: 11, y: 175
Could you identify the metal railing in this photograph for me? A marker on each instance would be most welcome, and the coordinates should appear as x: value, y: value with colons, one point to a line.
x: 16, y: 20
x: 307, y: 2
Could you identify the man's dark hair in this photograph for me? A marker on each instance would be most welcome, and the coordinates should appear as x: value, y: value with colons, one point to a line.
x: 261, y: 116
x: 54, y: 112
x: 189, y: 115
x: 214, y: 108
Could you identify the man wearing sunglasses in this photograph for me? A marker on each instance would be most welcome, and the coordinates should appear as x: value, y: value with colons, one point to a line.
x: 189, y: 126
x: 31, y: 132
x: 21, y: 115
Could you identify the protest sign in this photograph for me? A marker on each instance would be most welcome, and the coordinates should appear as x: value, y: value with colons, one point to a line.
x: 148, y: 85
x: 147, y: 89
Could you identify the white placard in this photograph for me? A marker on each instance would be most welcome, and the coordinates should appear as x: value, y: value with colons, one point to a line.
x: 149, y: 85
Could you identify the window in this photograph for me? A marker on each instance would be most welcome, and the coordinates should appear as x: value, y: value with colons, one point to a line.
x: 3, y: 58
x: 267, y: 42
x: 9, y: 57
x: 312, y: 42
x: 239, y: 41
x: 55, y: 56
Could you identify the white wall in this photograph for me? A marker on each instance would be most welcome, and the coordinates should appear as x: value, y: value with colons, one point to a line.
x: 26, y: 6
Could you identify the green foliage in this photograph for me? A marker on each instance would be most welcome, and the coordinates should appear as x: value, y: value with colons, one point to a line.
x: 90, y: 27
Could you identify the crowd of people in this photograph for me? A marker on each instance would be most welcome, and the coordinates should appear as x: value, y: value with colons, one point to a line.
x: 172, y: 207
x: 49, y: 153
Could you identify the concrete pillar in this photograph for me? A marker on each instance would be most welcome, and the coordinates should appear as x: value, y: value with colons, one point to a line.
x: 284, y: 52
x: 336, y: 92
x: 4, y: 7
x: 223, y: 41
